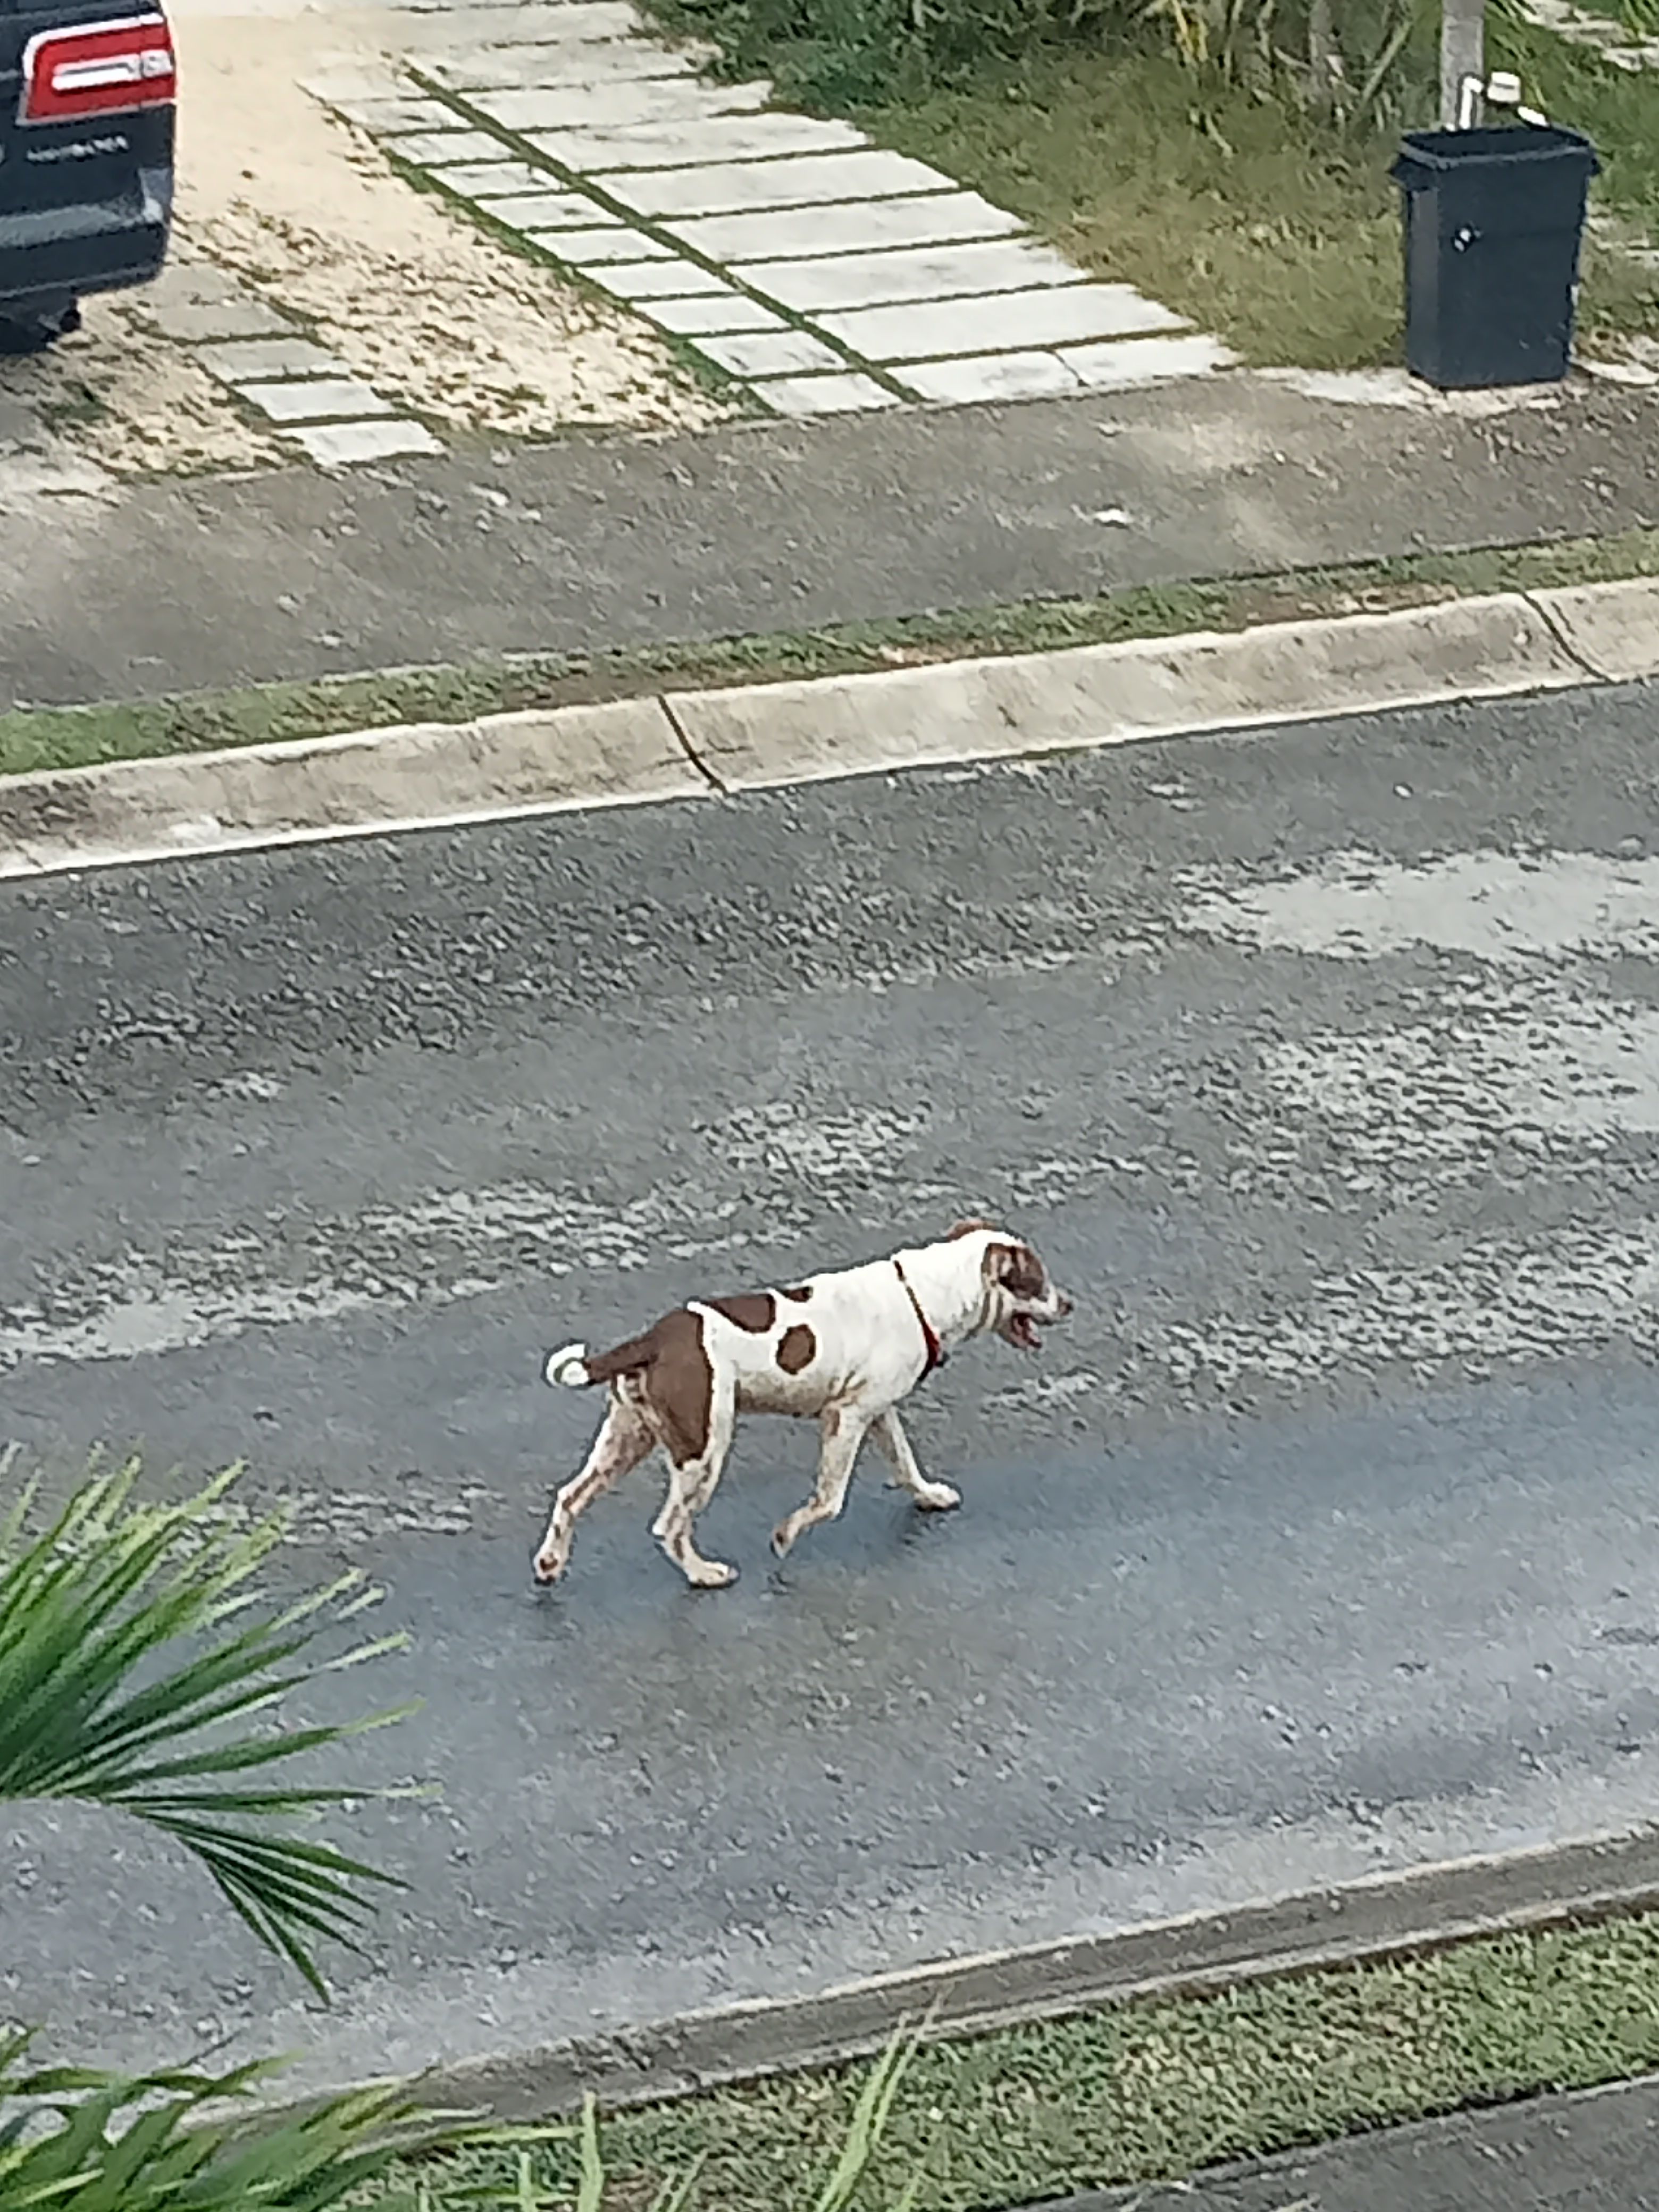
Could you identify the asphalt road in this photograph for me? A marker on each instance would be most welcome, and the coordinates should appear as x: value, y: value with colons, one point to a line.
x: 1323, y: 1065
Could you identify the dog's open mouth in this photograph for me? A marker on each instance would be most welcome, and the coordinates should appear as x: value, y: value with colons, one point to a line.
x: 1023, y: 1331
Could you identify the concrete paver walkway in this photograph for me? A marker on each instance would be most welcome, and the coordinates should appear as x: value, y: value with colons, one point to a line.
x: 829, y: 274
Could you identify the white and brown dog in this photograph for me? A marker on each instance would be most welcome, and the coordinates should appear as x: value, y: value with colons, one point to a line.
x: 840, y: 1349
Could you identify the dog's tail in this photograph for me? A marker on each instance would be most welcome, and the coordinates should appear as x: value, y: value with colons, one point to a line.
x: 568, y: 1366
x: 578, y: 1369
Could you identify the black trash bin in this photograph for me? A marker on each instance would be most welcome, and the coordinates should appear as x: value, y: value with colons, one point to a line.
x: 1492, y: 223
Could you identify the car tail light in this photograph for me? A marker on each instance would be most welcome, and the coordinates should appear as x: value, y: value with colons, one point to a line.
x: 97, y: 69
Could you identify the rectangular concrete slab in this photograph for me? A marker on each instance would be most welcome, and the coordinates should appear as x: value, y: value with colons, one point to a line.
x: 245, y: 360
x: 313, y: 399
x: 349, y: 444
x: 522, y: 21
x: 939, y: 272
x: 1120, y: 365
x: 970, y: 378
x: 586, y: 249
x: 547, y: 211
x: 490, y: 181
x: 655, y: 280
x: 1614, y: 627
x: 696, y: 139
x: 192, y: 284
x: 189, y: 324
x: 806, y: 233
x: 772, y: 353
x: 1113, y: 694
x: 650, y: 101
x: 547, y: 67
x: 825, y: 395
x: 719, y: 312
x: 929, y: 329
x: 385, y: 117
x: 442, y: 149
x: 792, y: 180
x: 334, y: 86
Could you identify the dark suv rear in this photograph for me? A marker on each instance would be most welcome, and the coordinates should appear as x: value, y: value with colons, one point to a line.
x: 87, y: 93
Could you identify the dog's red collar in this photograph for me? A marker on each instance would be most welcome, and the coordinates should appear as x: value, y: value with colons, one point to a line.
x: 929, y: 1334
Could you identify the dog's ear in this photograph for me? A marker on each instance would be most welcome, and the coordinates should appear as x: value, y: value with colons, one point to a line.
x: 967, y: 1229
x: 1017, y: 1268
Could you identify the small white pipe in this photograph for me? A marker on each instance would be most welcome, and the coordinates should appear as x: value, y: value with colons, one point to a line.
x: 1468, y: 99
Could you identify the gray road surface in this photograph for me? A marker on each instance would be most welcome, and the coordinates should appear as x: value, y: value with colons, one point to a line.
x: 1324, y: 1066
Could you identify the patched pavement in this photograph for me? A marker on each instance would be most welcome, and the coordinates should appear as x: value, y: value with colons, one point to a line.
x: 590, y: 544
x: 1324, y: 1066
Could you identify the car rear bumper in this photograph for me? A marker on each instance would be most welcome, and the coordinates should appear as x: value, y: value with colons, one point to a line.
x: 49, y: 256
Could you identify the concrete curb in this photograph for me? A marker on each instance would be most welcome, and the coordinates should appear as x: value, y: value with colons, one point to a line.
x: 1384, y: 1916
x: 717, y: 743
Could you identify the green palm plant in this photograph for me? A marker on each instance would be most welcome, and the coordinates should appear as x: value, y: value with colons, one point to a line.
x: 74, y: 2140
x: 140, y: 1671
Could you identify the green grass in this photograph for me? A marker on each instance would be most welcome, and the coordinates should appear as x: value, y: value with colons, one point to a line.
x: 1621, y: 111
x: 1147, y: 2091
x: 1279, y: 237
x: 33, y: 738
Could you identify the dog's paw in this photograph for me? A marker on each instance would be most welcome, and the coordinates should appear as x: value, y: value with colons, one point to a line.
x: 937, y: 1497
x: 548, y: 1569
x: 783, y: 1538
x: 713, y: 1574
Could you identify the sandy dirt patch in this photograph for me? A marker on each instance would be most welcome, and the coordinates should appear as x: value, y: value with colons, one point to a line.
x: 415, y: 298
x: 131, y: 404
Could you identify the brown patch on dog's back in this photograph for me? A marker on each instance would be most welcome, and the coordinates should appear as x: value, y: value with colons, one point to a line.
x: 797, y: 1350
x: 673, y: 1382
x: 754, y: 1310
x: 968, y: 1229
x: 800, y: 1294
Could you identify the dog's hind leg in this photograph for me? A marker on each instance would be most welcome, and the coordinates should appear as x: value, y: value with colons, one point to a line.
x: 895, y: 1447
x: 844, y: 1431
x: 624, y: 1441
x: 691, y: 1483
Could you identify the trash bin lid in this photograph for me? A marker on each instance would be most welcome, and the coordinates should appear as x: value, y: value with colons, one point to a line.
x: 1426, y: 156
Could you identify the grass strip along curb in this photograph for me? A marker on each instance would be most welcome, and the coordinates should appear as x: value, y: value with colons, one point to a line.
x: 1143, y: 2091
x: 34, y: 738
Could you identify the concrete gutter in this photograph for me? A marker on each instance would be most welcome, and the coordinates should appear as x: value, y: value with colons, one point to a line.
x: 1387, y: 1916
x: 713, y: 743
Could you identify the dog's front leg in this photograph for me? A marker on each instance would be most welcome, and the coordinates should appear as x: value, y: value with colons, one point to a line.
x: 891, y: 1439
x: 844, y: 1431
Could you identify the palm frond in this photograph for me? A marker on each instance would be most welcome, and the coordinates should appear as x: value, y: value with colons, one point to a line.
x: 76, y: 2140
x: 136, y: 1654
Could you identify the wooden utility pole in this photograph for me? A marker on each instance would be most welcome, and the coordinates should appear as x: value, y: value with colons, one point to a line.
x: 1463, y: 52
